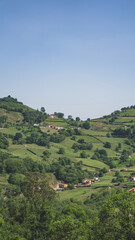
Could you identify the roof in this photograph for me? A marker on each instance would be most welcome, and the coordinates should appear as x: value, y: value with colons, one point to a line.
x: 131, y: 189
x: 53, y: 115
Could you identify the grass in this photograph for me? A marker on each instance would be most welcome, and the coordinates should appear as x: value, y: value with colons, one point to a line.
x: 94, y: 132
x: 129, y: 112
x: 10, y: 130
x: 83, y: 193
x: 80, y: 194
x: 3, y: 180
x: 57, y: 122
x: 21, y: 151
x: 89, y: 139
x: 12, y: 117
x: 92, y: 163
x: 48, y: 131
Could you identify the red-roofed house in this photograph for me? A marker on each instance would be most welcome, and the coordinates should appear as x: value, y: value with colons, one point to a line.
x: 53, y: 116
x: 132, y: 190
x: 133, y: 178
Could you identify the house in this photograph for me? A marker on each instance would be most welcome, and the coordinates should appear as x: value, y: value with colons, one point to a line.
x: 49, y: 126
x: 132, y: 190
x: 86, y: 181
x: 63, y: 185
x: 133, y: 178
x: 36, y: 125
x: 53, y: 116
x: 96, y: 179
x: 54, y: 127
x: 58, y: 128
x: 124, y: 170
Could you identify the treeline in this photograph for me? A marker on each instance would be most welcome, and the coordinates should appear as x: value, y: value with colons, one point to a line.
x: 82, y: 145
x: 4, y: 144
x: 76, y: 123
x: 34, y: 116
x: 101, y: 155
x: 31, y: 135
x: 127, y: 108
x: 65, y: 170
x: 124, y: 133
x: 10, y: 164
x: 30, y: 116
x: 37, y: 213
x: 11, y: 104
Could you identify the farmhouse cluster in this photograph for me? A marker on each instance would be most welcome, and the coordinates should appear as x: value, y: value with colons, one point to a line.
x: 85, y: 182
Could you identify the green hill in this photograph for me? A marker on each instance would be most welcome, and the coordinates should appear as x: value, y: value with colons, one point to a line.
x: 70, y: 150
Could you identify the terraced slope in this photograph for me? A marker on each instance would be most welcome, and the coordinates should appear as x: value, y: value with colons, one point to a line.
x: 95, y: 150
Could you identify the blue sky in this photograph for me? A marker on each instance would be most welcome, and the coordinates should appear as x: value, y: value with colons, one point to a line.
x: 70, y: 56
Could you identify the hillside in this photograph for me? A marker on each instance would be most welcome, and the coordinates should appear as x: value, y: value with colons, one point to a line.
x: 66, y: 149
x: 64, y: 178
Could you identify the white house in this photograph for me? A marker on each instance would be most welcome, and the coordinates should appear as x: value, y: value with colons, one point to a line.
x: 53, y: 116
x: 86, y: 181
x: 133, y: 178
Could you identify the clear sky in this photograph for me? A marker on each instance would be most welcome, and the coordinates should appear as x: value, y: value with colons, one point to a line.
x: 70, y: 56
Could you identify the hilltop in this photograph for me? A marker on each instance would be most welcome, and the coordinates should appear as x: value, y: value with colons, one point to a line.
x: 67, y: 150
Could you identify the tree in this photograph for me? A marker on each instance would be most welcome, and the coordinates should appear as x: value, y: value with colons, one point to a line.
x: 36, y: 186
x: 124, y: 156
x: 107, y: 145
x: 60, y: 115
x: 77, y: 119
x: 42, y: 109
x: 119, y: 178
x: 81, y: 140
x: 116, y: 218
x: 14, y: 166
x: 3, y: 142
x: 69, y: 229
x: 83, y: 154
x: 119, y: 145
x: 46, y: 154
x: 30, y: 216
x: 70, y: 117
x: 73, y: 223
x: 86, y: 125
x: 61, y: 151
x: 17, y: 136
x: 15, y: 179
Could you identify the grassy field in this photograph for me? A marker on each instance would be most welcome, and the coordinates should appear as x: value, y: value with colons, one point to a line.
x: 92, y: 163
x: 79, y: 194
x: 10, y: 130
x: 89, y: 139
x: 48, y: 130
x: 57, y: 122
x: 93, y: 132
x: 21, y: 151
x: 128, y: 113
x: 12, y: 117
x: 105, y: 183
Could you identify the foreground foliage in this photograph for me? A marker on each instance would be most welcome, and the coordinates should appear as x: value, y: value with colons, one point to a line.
x: 37, y: 213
